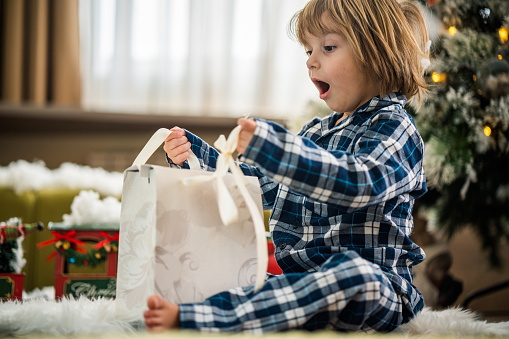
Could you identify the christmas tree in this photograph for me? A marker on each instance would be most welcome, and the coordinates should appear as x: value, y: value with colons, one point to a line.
x: 12, y: 233
x: 465, y: 121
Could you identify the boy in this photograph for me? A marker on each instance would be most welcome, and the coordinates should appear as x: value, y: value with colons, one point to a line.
x: 341, y: 190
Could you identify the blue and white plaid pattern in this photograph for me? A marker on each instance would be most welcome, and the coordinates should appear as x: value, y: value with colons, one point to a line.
x: 347, y: 294
x: 341, y: 199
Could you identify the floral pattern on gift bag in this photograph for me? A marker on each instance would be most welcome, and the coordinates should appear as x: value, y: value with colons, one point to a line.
x: 186, y: 234
x: 209, y: 255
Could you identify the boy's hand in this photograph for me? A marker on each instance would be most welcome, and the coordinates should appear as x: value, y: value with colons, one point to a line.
x: 176, y: 146
x: 248, y: 126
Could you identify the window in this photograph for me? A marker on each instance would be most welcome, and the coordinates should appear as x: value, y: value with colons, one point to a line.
x: 193, y: 57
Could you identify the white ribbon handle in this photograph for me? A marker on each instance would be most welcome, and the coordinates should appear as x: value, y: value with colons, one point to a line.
x: 227, y: 207
x: 154, y: 143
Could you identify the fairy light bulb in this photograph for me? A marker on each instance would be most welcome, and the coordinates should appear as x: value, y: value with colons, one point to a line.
x: 437, y: 77
x: 487, y: 130
x: 453, y: 30
x: 503, y: 33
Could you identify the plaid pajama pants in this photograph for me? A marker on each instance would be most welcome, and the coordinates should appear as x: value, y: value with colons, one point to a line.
x: 348, y: 293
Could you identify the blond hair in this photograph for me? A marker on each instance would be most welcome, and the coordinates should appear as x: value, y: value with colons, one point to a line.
x: 388, y: 38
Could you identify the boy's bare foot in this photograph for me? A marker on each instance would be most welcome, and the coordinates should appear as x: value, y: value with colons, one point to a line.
x: 161, y: 314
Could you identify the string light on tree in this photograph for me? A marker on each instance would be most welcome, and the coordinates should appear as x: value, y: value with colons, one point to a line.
x: 487, y: 130
x: 452, y: 30
x: 503, y: 33
x: 437, y: 77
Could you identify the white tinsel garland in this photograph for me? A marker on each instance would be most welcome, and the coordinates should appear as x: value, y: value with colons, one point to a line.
x: 22, y: 176
x: 88, y: 208
x: 19, y: 261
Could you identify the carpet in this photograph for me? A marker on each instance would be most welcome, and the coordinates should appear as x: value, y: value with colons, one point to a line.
x: 39, y: 315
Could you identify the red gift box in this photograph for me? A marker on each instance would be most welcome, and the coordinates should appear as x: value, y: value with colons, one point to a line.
x: 73, y: 281
x: 11, y: 286
x: 272, y: 267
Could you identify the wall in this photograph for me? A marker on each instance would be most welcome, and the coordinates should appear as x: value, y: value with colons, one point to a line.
x: 109, y: 140
x: 470, y: 265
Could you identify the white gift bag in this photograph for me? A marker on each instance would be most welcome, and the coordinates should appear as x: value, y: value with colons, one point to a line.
x: 188, y: 234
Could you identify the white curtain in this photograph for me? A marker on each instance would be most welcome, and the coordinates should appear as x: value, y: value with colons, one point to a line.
x: 193, y: 57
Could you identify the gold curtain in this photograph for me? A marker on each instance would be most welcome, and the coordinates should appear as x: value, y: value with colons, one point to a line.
x: 39, y: 52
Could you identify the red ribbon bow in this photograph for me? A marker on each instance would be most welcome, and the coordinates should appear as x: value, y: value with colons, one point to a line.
x: 109, y: 239
x: 3, y: 235
x: 67, y: 236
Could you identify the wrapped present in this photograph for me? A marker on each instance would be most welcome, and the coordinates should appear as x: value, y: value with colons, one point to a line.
x: 188, y: 234
x: 86, y: 259
x: 11, y: 286
x: 12, y: 233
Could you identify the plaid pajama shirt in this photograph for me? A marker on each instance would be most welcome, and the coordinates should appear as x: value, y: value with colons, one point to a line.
x: 341, y: 199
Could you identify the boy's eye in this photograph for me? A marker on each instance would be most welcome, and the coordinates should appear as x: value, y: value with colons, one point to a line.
x: 329, y: 48
x: 309, y: 52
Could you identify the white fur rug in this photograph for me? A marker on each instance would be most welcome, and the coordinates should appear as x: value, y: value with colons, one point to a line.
x: 39, y: 315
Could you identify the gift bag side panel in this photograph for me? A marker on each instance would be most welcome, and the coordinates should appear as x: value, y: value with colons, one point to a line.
x: 196, y: 255
x: 136, y: 256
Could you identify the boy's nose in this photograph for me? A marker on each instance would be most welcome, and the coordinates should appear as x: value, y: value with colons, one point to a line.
x: 312, y: 62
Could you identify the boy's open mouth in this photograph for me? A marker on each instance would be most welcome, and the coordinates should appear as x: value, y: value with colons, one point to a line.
x: 322, y: 87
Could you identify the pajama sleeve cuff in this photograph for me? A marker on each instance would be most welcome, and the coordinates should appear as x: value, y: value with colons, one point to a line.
x: 257, y: 143
x: 185, y: 165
